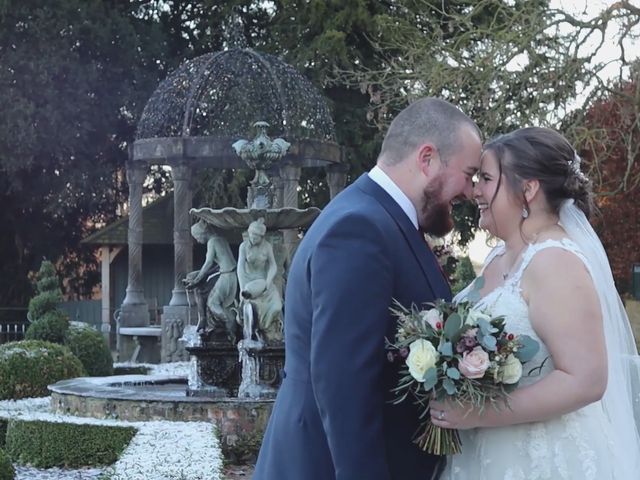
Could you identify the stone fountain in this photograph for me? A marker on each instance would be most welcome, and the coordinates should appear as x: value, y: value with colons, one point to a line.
x: 260, y: 271
x: 191, y: 122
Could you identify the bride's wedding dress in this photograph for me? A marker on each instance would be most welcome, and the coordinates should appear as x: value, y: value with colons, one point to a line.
x: 580, y: 445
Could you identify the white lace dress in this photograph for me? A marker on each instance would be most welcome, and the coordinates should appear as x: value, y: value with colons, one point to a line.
x: 575, y: 446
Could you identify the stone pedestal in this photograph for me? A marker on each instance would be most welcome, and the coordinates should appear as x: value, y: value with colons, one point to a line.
x: 218, y: 367
x: 173, y: 321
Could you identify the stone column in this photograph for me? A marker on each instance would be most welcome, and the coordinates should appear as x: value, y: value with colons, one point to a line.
x: 278, y: 188
x: 134, y: 311
x: 336, y: 178
x: 177, y: 315
x: 183, y: 247
x: 105, y: 328
x: 290, y: 178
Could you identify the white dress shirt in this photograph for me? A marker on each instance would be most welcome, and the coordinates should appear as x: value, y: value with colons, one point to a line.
x: 377, y: 175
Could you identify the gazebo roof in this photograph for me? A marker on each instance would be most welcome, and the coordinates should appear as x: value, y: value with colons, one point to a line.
x: 211, y: 101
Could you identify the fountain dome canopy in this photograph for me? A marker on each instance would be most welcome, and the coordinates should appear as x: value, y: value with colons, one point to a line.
x: 211, y: 101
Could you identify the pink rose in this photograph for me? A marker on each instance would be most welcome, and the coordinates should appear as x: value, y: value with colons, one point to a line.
x: 474, y: 363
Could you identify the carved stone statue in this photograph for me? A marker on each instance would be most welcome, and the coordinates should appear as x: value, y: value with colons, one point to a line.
x: 217, y: 276
x: 260, y: 297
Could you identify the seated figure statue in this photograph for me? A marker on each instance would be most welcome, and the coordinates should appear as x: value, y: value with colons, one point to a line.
x: 259, y: 294
x: 219, y: 269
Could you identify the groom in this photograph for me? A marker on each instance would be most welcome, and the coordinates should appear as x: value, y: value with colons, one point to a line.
x: 332, y: 418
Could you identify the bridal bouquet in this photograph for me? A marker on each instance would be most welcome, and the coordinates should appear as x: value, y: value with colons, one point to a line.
x: 457, y: 352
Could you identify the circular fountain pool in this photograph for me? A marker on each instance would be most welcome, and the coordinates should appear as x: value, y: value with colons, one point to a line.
x: 158, y: 397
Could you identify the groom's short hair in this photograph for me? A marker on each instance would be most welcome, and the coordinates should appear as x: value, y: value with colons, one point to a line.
x: 426, y: 120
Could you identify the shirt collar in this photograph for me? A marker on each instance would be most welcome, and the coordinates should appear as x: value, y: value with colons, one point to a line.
x: 381, y: 178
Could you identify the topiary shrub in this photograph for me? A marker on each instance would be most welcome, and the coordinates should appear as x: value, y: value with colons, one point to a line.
x: 48, y: 444
x: 463, y: 275
x: 91, y: 348
x: 50, y: 327
x: 7, y: 471
x: 27, y: 367
x: 3, y: 431
x: 48, y: 323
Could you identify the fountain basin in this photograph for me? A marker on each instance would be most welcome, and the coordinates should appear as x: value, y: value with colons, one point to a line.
x: 229, y: 218
x: 218, y: 366
x: 159, y: 397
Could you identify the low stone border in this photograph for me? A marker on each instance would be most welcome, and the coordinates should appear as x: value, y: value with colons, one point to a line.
x: 239, y: 422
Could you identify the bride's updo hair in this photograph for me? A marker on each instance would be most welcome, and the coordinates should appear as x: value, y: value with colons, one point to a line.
x: 544, y: 155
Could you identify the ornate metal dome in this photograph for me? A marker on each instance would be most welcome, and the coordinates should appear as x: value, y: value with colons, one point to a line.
x: 220, y: 95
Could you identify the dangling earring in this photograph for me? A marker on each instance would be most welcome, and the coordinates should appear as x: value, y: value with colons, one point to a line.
x: 525, y: 212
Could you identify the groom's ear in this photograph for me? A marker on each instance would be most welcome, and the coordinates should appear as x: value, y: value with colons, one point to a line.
x: 530, y: 189
x: 424, y: 158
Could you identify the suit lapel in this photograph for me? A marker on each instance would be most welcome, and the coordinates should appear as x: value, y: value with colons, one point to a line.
x: 421, y: 251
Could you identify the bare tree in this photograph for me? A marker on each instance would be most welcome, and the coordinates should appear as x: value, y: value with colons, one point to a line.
x: 507, y: 64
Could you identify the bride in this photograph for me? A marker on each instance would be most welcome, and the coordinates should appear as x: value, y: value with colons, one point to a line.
x: 574, y: 417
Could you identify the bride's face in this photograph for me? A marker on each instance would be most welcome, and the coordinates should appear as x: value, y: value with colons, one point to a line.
x: 498, y: 210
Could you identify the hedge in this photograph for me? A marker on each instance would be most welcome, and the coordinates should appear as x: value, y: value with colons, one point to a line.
x: 49, y: 444
x: 51, y: 327
x: 3, y: 431
x: 6, y: 468
x: 28, y: 366
x: 91, y: 349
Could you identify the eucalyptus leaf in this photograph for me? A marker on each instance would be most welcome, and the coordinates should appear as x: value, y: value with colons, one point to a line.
x: 488, y: 342
x: 485, y: 327
x: 528, y: 348
x: 430, y: 379
x: 446, y: 349
x: 453, y: 373
x: 452, y: 326
x: 449, y: 386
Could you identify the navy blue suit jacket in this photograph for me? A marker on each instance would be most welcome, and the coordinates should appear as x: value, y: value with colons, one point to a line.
x: 332, y: 418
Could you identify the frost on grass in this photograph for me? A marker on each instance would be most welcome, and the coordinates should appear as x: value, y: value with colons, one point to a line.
x: 159, y: 451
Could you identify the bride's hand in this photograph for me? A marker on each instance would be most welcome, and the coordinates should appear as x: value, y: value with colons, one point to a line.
x: 450, y: 414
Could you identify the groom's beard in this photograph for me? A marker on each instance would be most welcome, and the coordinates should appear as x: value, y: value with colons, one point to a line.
x: 435, y: 216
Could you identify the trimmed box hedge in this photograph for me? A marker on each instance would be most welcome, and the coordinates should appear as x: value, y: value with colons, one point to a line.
x: 50, y: 444
x: 3, y: 431
x: 7, y: 471
x: 91, y: 349
x: 28, y: 366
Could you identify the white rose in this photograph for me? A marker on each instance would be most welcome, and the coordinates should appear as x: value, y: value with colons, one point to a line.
x: 511, y: 371
x: 433, y: 317
x: 422, y: 356
x: 474, y: 315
